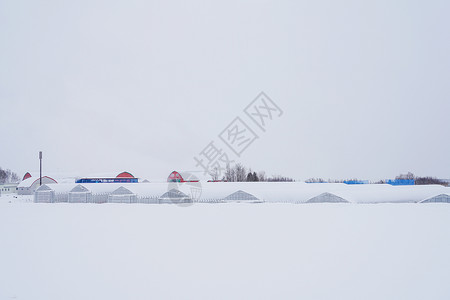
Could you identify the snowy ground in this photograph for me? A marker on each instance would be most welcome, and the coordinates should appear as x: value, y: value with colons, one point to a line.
x: 224, y: 251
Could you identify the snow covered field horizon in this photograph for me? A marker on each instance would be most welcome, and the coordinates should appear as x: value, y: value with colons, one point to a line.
x: 249, y: 149
x: 224, y: 251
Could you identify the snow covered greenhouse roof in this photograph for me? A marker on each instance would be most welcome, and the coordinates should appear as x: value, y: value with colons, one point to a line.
x: 280, y: 192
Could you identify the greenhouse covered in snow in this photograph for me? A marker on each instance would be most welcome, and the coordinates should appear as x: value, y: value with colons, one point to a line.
x: 245, y: 192
x: 443, y: 198
x: 79, y: 194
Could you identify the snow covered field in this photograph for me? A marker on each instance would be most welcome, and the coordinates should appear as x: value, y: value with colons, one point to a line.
x: 224, y: 251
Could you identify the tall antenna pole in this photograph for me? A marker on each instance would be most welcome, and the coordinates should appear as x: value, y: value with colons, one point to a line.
x: 40, y: 168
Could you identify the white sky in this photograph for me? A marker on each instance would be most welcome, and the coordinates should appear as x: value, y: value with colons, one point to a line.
x: 107, y: 86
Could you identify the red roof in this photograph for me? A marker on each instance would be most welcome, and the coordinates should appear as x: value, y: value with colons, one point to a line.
x: 125, y: 175
x: 182, y: 177
x: 30, y: 181
x: 175, y: 176
x: 27, y: 175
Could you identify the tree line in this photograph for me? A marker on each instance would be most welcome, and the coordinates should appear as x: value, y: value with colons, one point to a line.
x: 239, y: 173
x: 422, y: 180
x: 409, y: 176
x: 8, y: 176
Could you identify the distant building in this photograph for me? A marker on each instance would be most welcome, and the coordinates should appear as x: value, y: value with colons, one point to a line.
x: 443, y: 198
x: 8, y: 188
x: 241, y: 196
x: 124, y: 177
x: 122, y: 195
x: 182, y: 177
x: 79, y: 194
x: 400, y: 181
x: 29, y: 185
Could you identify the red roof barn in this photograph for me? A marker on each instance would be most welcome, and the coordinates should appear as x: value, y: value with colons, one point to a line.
x: 125, y: 175
x: 182, y: 177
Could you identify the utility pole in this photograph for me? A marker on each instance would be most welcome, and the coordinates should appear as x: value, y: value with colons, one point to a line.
x: 40, y: 168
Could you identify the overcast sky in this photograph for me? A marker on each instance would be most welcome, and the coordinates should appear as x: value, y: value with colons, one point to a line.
x: 144, y: 86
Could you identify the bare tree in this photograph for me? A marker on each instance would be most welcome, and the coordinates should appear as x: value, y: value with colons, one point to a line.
x: 315, y: 180
x: 228, y: 173
x: 3, y: 176
x: 409, y: 175
x: 278, y: 178
x: 8, y: 176
x: 262, y: 176
x: 240, y: 172
x: 214, y: 173
x: 14, y: 178
x: 429, y: 180
x: 234, y: 174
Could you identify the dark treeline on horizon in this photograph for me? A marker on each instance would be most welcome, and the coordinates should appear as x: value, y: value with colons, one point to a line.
x: 239, y: 173
x: 409, y: 176
x: 8, y: 176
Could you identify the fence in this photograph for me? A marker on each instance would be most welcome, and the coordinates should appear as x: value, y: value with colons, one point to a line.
x: 49, y: 196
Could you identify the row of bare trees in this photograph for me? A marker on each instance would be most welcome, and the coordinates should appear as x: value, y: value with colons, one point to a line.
x: 239, y: 173
x: 8, y: 176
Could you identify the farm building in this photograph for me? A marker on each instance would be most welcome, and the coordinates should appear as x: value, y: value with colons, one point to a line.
x: 44, y: 194
x: 327, y: 198
x: 182, y: 177
x: 8, y: 188
x: 122, y: 195
x: 241, y: 196
x: 174, y: 196
x: 400, y: 181
x: 29, y: 185
x: 442, y: 198
x: 124, y: 177
x: 80, y: 194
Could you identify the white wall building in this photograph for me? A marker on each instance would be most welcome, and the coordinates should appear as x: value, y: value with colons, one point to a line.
x: 8, y: 188
x: 29, y: 185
